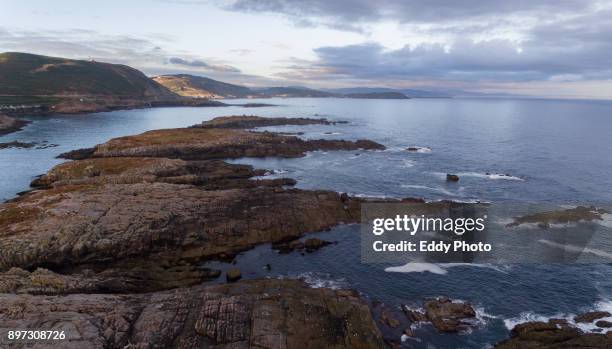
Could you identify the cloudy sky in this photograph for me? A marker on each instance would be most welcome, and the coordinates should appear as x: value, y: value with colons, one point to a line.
x: 545, y: 48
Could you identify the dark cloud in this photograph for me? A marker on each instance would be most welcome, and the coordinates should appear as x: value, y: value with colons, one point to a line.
x: 194, y: 63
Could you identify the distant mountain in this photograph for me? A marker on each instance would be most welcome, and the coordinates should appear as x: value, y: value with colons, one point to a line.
x: 410, y: 93
x: 292, y: 92
x: 201, y: 87
x: 39, y: 84
x: 377, y: 95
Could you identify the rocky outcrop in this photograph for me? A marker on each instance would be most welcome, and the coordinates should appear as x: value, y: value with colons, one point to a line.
x: 89, y: 224
x: 95, y: 247
x: 257, y: 314
x: 452, y: 177
x: 8, y: 124
x: 572, y: 215
x: 553, y: 335
x: 251, y: 121
x: 210, y: 174
x: 205, y: 144
x: 591, y: 316
x: 444, y: 314
x: 116, y: 215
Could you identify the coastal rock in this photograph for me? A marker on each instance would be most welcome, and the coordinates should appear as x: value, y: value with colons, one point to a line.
x: 129, y: 277
x: 387, y: 318
x: 233, y: 275
x: 262, y: 314
x: 414, y: 315
x: 252, y: 121
x: 17, y: 144
x: 446, y: 315
x: 102, y: 224
x: 9, y: 124
x: 572, y: 215
x: 603, y: 324
x: 210, y: 174
x: 452, y: 177
x: 214, y: 143
x: 550, y: 335
x: 591, y: 316
x: 313, y: 244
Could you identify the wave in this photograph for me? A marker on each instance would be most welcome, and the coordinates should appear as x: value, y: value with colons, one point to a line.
x: 331, y: 133
x: 435, y: 189
x: 488, y: 175
x: 441, y: 268
x: 418, y: 149
x: 408, y: 163
x: 603, y: 305
x: 579, y: 249
x: 606, y: 220
x: 318, y: 280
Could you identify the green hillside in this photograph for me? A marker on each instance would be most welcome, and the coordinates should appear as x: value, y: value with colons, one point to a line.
x: 23, y: 74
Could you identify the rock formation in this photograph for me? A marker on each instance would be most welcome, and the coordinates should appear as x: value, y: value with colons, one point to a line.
x: 257, y: 314
x: 109, y: 247
x: 553, y: 335
x: 8, y: 124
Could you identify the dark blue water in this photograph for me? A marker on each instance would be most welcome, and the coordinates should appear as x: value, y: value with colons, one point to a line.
x: 556, y: 153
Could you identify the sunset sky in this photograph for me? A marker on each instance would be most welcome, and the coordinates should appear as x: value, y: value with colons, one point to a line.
x: 539, y: 48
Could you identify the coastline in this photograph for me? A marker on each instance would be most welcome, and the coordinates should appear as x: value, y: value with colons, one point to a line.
x: 151, y: 187
x: 10, y: 125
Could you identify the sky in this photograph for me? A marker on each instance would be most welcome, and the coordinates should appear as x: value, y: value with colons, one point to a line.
x: 539, y: 48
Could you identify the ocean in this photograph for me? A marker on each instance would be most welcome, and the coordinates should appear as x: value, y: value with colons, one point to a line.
x: 512, y: 153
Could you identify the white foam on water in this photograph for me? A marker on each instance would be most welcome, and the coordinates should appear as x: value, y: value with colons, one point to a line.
x: 434, y: 189
x: 489, y: 176
x: 606, y: 220
x: 441, y: 268
x: 331, y: 133
x: 603, y: 305
x: 315, y: 280
x: 422, y: 150
x: 408, y: 163
x: 415, y: 267
x: 579, y: 249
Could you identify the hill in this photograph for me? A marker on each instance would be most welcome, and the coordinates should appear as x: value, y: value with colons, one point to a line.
x: 33, y: 83
x: 201, y: 87
x: 293, y: 92
x: 378, y: 95
x: 410, y: 93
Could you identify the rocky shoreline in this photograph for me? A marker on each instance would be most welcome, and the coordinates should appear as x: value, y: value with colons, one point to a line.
x: 110, y: 246
x: 10, y: 125
x: 100, y: 239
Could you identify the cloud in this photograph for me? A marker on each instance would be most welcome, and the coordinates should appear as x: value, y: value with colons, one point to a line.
x: 571, y: 48
x: 194, y: 63
x: 347, y: 14
x: 144, y: 53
